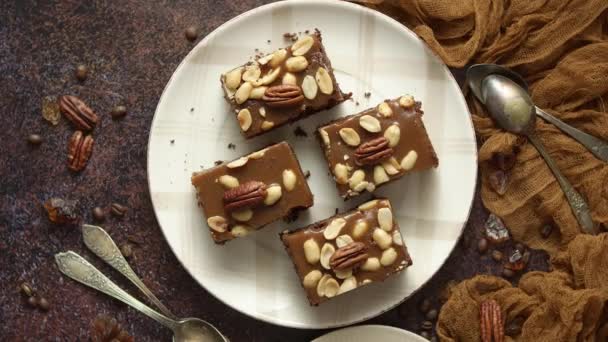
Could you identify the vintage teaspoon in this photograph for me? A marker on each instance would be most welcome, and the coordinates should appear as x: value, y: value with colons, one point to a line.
x: 514, y: 111
x: 184, y: 330
x: 477, y: 73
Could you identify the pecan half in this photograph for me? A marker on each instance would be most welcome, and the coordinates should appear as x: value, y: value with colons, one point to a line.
x: 350, y: 256
x: 247, y: 195
x: 491, y: 323
x: 78, y: 112
x: 373, y: 152
x: 80, y: 148
x: 285, y: 95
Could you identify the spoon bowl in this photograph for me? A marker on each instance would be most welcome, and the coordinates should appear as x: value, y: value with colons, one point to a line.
x: 508, y: 104
x: 196, y: 330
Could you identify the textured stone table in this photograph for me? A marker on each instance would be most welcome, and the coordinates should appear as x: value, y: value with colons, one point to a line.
x: 132, y: 48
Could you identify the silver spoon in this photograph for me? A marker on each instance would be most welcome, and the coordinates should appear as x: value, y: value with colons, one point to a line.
x: 184, y: 330
x: 514, y: 111
x: 475, y: 76
x: 100, y: 243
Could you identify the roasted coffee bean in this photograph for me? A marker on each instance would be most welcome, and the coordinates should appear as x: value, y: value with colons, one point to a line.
x: 26, y: 289
x: 497, y: 255
x: 99, y: 214
x: 546, y: 230
x: 118, y: 210
x: 191, y: 33
x: 118, y: 112
x: 482, y: 245
x: 507, y: 273
x: 431, y: 315
x: 34, y: 139
x: 425, y: 334
x: 81, y: 72
x: 126, y: 250
x: 425, y: 305
x: 32, y: 301
x: 43, y: 304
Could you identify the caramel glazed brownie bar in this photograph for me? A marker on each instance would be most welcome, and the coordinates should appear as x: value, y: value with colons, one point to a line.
x: 284, y: 86
x: 250, y: 192
x: 347, y: 251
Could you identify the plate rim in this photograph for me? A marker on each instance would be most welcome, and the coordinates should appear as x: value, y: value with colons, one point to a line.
x: 375, y: 326
x: 278, y: 4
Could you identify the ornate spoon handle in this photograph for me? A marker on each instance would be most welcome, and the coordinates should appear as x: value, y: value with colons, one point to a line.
x: 100, y: 243
x: 576, y: 201
x: 77, y: 268
x: 598, y: 147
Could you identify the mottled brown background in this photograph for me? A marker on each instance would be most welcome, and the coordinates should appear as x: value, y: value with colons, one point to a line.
x: 132, y: 48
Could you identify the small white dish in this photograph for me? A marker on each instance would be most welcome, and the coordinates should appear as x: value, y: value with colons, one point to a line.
x: 367, y: 333
x: 370, y: 53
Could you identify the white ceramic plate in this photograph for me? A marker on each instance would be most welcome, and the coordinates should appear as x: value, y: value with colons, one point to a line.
x: 366, y: 333
x: 370, y: 52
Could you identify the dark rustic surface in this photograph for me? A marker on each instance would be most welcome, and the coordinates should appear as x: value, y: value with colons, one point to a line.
x: 132, y: 48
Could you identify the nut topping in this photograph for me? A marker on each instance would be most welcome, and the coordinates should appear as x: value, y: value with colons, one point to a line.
x: 385, y: 219
x: 232, y: 79
x: 284, y: 95
x: 242, y: 94
x: 290, y: 79
x: 270, y: 76
x: 266, y: 125
x: 78, y: 112
x: 373, y: 152
x: 408, y: 162
x: 407, y: 101
x: 350, y: 136
x: 252, y: 73
x: 388, y: 257
x: 333, y: 228
x: 302, y: 46
x: 79, y: 151
x: 392, y: 134
x: 371, y: 265
x: 350, y: 256
x: 217, y: 223
x: 370, y: 124
x: 360, y: 228
x: 247, y: 195
x: 385, y: 110
x: 237, y: 163
x: 348, y: 284
x: 327, y: 251
x: 228, y: 181
x: 295, y: 64
x: 257, y: 93
x: 343, y: 240
x: 311, y: 251
x: 380, y: 175
x: 309, y: 87
x: 289, y: 179
x: 244, y: 118
x: 312, y: 278
x: 341, y: 173
x: 326, y: 85
x: 391, y: 166
x: 278, y: 57
x: 382, y: 239
x: 274, y: 193
x: 242, y: 215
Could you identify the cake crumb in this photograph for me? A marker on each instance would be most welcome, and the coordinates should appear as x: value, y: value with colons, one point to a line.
x: 218, y: 162
x: 231, y: 146
x: 300, y: 132
x: 307, y: 174
x: 367, y: 94
x: 336, y: 211
x: 172, y: 141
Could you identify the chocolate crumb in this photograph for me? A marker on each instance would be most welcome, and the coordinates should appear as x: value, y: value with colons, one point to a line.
x: 292, y: 216
x: 307, y: 174
x: 307, y: 31
x: 367, y: 94
x: 268, y: 41
x: 217, y: 162
x: 336, y: 211
x: 192, y: 109
x: 172, y: 141
x: 231, y: 146
x: 356, y: 103
x: 299, y: 132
